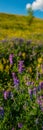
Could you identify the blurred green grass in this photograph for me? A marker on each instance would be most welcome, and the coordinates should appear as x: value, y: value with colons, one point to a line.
x: 17, y: 26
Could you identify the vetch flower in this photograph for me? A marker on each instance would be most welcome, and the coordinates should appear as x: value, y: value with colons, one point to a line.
x: 11, y: 58
x: 6, y: 94
x: 1, y: 111
x: 32, y: 83
x: 41, y: 85
x: 15, y: 79
x: 13, y: 128
x: 40, y: 102
x: 20, y: 125
x: 41, y: 108
x: 21, y: 41
x: 38, y: 88
x: 42, y: 127
x: 13, y: 74
x: 28, y: 42
x: 21, y: 66
x: 34, y: 91
x: 28, y: 83
x: 4, y: 40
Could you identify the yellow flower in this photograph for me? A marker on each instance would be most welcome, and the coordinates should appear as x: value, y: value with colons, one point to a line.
x: 41, y: 71
x: 4, y: 60
x: 40, y: 60
x: 38, y: 65
x: 24, y: 55
x: 1, y: 66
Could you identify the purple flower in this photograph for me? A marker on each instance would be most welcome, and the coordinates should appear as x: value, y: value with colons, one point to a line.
x: 1, y: 111
x: 15, y: 79
x: 42, y: 96
x: 29, y: 42
x: 39, y: 101
x: 38, y: 88
x: 13, y: 74
x: 21, y: 66
x: 21, y: 40
x: 32, y: 83
x: 41, y: 85
x: 28, y: 83
x: 42, y: 127
x: 30, y: 91
x: 6, y: 94
x: 20, y: 125
x: 11, y: 58
x: 4, y: 41
x: 41, y: 108
x: 34, y: 91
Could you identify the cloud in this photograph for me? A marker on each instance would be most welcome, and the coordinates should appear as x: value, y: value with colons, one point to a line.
x: 36, y: 5
x: 28, y: 6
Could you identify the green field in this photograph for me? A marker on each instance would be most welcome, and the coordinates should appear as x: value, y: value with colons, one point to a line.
x: 21, y: 73
x: 18, y: 26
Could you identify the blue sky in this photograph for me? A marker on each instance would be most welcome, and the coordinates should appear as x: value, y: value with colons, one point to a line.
x: 17, y: 7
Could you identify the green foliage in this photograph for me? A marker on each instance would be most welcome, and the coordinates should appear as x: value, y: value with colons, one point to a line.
x: 30, y: 15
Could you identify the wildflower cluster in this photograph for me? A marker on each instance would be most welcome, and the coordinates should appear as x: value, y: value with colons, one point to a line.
x: 21, y: 85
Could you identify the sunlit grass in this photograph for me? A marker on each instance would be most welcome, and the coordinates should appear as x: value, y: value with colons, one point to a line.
x: 17, y: 26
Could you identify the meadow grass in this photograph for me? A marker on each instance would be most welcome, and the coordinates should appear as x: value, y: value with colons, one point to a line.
x: 17, y: 26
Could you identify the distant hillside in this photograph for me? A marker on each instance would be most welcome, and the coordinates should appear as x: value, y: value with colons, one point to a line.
x: 17, y: 26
